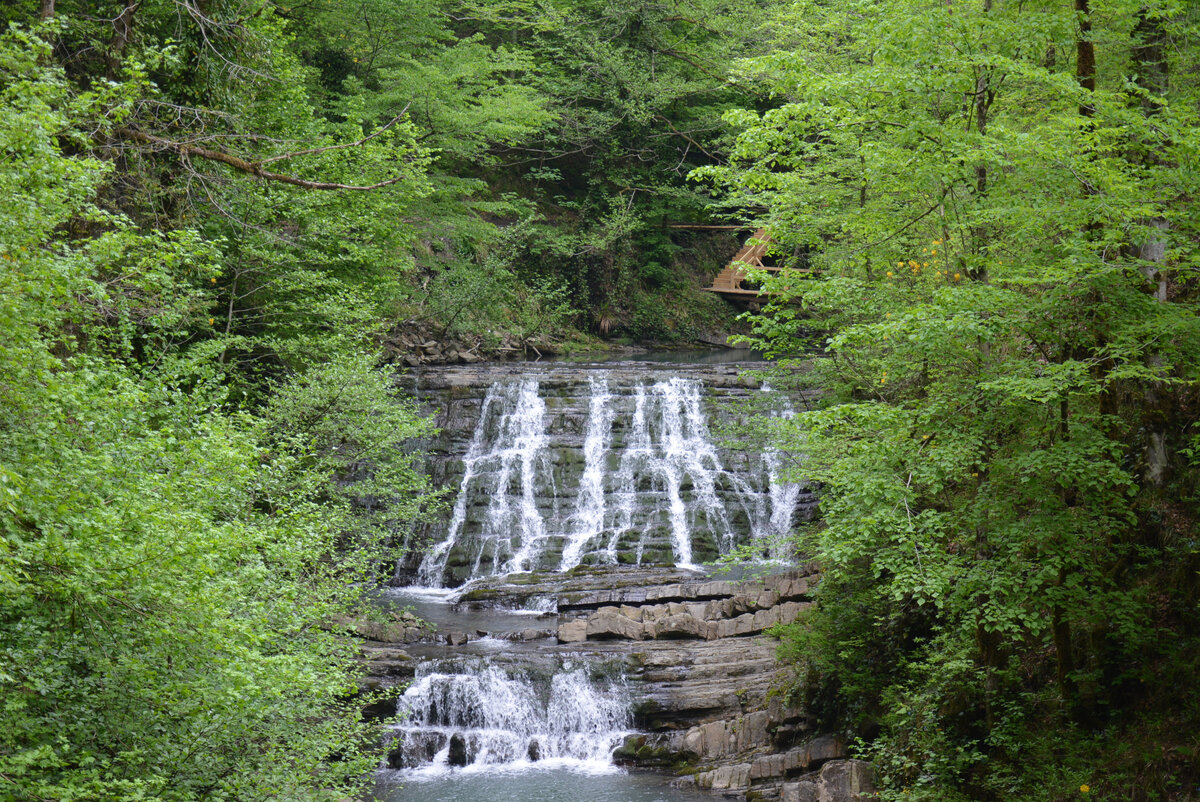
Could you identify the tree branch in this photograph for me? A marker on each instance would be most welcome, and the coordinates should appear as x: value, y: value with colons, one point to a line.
x: 688, y: 138
x: 311, y: 151
x: 187, y: 150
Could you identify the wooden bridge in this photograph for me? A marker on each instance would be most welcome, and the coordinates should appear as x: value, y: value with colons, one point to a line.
x: 733, y: 283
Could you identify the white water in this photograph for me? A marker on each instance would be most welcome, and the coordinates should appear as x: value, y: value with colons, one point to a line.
x: 508, y: 719
x: 651, y: 477
x: 588, y: 520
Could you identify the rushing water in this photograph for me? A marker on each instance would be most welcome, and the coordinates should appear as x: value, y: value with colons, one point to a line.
x: 501, y: 722
x: 562, y: 466
x: 613, y: 470
x: 471, y: 712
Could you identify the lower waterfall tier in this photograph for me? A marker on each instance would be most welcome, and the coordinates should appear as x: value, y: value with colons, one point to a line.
x: 463, y: 713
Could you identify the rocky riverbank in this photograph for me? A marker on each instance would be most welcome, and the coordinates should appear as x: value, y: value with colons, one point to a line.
x: 699, y: 666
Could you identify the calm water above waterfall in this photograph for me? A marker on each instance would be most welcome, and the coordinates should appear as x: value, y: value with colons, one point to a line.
x: 554, y: 467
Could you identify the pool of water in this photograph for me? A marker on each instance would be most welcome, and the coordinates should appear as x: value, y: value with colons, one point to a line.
x: 435, y: 605
x: 585, y: 782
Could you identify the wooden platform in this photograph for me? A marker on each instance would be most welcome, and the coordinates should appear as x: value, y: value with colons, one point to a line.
x: 732, y: 282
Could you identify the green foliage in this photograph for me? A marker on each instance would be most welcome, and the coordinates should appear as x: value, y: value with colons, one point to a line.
x: 1004, y: 291
x: 169, y: 565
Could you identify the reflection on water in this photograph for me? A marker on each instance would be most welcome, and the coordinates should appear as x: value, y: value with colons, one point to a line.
x: 533, y: 783
x: 435, y: 605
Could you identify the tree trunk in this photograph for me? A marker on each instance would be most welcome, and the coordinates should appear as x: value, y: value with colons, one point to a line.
x: 1085, y: 55
x: 1152, y: 77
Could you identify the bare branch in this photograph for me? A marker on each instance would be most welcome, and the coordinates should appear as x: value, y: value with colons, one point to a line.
x: 688, y: 138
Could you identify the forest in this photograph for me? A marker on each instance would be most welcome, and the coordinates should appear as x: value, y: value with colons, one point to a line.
x: 226, y: 224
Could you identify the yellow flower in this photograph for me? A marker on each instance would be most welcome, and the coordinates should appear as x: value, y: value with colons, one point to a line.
x: 934, y: 252
x: 1083, y: 789
x: 214, y: 281
x: 889, y: 274
x: 912, y: 264
x: 211, y: 321
x: 899, y: 264
x: 957, y: 276
x: 937, y: 242
x: 924, y: 264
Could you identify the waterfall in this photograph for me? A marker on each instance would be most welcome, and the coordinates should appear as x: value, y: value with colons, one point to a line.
x: 609, y: 469
x: 510, y: 436
x: 472, y: 714
x: 588, y: 520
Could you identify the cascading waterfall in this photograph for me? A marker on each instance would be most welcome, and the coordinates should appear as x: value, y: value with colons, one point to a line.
x: 652, y: 486
x: 557, y: 467
x: 472, y: 714
x: 516, y: 444
x: 588, y: 519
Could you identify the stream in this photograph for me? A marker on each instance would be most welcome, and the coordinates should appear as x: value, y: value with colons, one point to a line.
x: 572, y: 483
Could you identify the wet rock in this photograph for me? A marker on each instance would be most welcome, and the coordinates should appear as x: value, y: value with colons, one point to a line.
x: 526, y: 635
x: 534, y: 753
x: 379, y: 710
x: 457, y: 755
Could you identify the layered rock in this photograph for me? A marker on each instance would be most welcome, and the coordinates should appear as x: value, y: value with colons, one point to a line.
x: 699, y: 668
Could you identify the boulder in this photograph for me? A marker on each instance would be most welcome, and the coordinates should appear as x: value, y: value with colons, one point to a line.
x: 572, y: 631
x: 680, y: 625
x: 825, y: 748
x: 846, y: 781
x: 613, y: 625
x: 632, y: 613
x: 457, y: 755
x: 803, y: 791
x: 728, y: 777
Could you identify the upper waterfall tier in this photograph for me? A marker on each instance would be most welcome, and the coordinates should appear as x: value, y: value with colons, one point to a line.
x: 554, y: 466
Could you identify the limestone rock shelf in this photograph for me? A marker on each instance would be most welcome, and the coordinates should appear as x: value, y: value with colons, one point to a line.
x: 696, y: 661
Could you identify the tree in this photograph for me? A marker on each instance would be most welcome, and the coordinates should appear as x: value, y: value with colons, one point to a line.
x: 170, y: 565
x: 1001, y: 244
